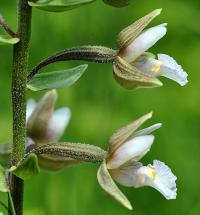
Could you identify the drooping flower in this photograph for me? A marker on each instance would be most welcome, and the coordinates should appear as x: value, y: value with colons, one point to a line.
x: 127, y: 147
x: 44, y: 125
x: 134, y: 67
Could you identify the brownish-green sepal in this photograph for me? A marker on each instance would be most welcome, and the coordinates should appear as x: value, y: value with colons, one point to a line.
x: 6, y: 39
x: 130, y: 77
x: 58, y: 5
x: 26, y: 168
x: 55, y: 163
x: 38, y: 122
x: 128, y: 34
x: 3, y: 185
x: 118, y: 3
x: 5, y: 151
x: 123, y: 134
x: 76, y: 151
x: 109, y: 186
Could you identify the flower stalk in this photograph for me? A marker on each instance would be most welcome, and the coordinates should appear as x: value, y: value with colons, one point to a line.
x: 97, y: 54
x: 20, y: 62
x: 6, y: 27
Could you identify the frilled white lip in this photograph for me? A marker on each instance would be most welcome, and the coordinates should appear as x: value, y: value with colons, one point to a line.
x: 144, y: 41
x: 163, y: 66
x: 133, y: 149
x: 158, y: 176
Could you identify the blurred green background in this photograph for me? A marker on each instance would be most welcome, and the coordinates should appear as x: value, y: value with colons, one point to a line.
x: 99, y: 106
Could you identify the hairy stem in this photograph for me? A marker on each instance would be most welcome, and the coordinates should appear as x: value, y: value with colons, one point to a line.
x: 20, y: 62
x: 98, y: 54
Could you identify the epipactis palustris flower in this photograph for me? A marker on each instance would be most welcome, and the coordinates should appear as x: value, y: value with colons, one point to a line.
x: 136, y: 68
x: 126, y: 147
x: 45, y: 126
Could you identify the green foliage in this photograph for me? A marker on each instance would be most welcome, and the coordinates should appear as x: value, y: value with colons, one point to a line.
x: 58, y: 5
x: 118, y: 3
x: 6, y: 39
x: 56, y: 79
x: 27, y: 168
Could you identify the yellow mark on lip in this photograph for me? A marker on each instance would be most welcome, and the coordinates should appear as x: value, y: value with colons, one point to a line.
x: 153, y: 174
x: 155, y: 68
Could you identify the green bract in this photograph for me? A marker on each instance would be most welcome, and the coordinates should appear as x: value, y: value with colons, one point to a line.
x: 26, y: 168
x: 6, y: 39
x: 58, y: 5
x: 56, y: 79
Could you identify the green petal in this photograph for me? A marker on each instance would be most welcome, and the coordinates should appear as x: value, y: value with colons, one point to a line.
x: 128, y: 34
x: 109, y: 186
x: 130, y: 77
x: 123, y: 134
x: 58, y: 5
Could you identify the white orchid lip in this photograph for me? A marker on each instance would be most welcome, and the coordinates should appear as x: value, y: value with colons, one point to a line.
x: 158, y: 176
x: 163, y: 66
x: 144, y: 41
x: 133, y: 149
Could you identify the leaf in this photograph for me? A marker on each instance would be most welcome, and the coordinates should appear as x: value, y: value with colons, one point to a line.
x: 58, y: 5
x: 3, y: 186
x: 56, y: 79
x: 108, y: 185
x: 5, y: 39
x: 118, y: 3
x: 27, y: 168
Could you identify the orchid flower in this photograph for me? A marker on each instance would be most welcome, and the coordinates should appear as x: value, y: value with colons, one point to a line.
x: 44, y: 125
x: 134, y: 67
x: 127, y: 148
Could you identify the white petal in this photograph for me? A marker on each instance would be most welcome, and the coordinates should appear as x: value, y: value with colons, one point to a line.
x: 127, y: 175
x: 172, y: 70
x: 58, y: 123
x: 31, y: 104
x: 165, y: 181
x: 148, y: 130
x: 131, y: 150
x: 144, y: 41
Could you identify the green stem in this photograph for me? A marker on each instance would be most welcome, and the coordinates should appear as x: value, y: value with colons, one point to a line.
x: 20, y: 62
